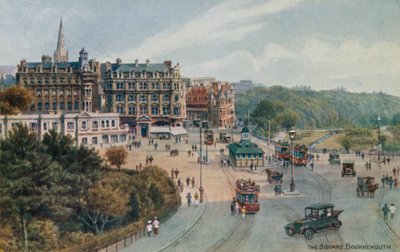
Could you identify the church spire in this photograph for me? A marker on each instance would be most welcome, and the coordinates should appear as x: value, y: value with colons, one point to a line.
x: 61, y: 54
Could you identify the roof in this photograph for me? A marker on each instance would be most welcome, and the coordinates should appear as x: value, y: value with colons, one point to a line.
x: 245, y: 129
x: 50, y: 64
x: 151, y: 67
x: 348, y: 162
x: 245, y: 147
x: 321, y: 205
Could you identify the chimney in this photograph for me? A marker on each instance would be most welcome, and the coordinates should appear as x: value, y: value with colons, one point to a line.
x: 46, y: 59
x: 147, y: 62
x: 168, y: 63
x: 136, y: 62
x: 119, y: 61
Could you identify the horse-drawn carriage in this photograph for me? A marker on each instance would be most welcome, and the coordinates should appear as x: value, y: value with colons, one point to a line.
x: 366, y: 185
x: 174, y: 152
x: 274, y: 176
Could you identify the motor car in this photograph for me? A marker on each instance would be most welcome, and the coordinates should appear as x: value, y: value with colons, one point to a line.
x: 348, y: 168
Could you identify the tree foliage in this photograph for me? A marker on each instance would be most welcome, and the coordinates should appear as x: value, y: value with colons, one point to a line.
x: 117, y: 156
x: 15, y: 99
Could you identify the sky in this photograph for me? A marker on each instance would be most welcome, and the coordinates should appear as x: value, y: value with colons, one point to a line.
x: 322, y: 44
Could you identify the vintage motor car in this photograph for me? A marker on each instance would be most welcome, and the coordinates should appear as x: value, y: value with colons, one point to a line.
x: 174, y: 152
x: 318, y: 217
x: 348, y: 168
x: 334, y: 159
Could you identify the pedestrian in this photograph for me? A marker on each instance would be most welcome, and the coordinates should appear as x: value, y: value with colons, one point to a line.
x: 392, y: 210
x: 366, y: 165
x: 140, y: 166
x: 244, y: 212
x: 385, y: 211
x: 176, y: 173
x: 187, y: 181
x: 276, y: 190
x: 172, y: 173
x: 156, y: 224
x: 387, y: 179
x: 189, y: 152
x: 279, y: 190
x: 181, y: 188
x: 192, y: 182
x: 394, y: 171
x: 237, y: 208
x: 396, y: 183
x: 137, y: 167
x: 149, y: 228
x: 189, y: 199
x: 233, y: 207
x: 179, y: 182
x: 383, y: 180
x: 196, y: 199
x: 390, y: 182
x: 388, y: 160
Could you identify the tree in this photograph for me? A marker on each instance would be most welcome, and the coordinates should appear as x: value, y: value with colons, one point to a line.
x: 102, y: 204
x: 156, y: 195
x: 134, y: 213
x: 346, y: 141
x: 287, y: 119
x: 117, y: 156
x: 15, y: 99
x: 24, y: 170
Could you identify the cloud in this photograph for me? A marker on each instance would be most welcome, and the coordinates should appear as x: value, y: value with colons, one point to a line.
x: 316, y: 63
x: 228, y: 21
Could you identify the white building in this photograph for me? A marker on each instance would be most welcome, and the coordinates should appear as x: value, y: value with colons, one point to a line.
x: 92, y: 129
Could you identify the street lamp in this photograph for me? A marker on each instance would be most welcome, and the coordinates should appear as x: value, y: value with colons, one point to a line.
x: 201, y: 189
x: 292, y: 136
x: 378, y: 120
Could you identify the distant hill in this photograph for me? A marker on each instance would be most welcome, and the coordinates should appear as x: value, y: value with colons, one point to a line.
x: 323, y: 109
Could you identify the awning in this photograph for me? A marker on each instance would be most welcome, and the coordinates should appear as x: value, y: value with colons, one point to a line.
x: 177, y: 131
x: 159, y: 129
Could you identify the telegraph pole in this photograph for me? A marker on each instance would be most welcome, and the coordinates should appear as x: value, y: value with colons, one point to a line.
x: 201, y: 189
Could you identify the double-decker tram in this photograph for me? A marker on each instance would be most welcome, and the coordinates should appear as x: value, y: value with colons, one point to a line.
x: 282, y: 150
x: 300, y: 155
x: 247, y: 195
x: 208, y: 137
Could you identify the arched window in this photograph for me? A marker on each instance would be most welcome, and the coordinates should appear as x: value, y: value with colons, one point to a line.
x: 176, y: 98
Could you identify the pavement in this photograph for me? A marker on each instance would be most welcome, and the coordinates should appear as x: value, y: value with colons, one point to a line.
x: 174, y: 228
x: 392, y: 196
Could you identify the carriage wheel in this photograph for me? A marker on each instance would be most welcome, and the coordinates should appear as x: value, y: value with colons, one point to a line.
x: 336, y: 226
x: 309, y: 234
x: 290, y: 231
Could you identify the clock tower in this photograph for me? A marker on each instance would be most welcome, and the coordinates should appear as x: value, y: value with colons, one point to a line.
x: 245, y: 134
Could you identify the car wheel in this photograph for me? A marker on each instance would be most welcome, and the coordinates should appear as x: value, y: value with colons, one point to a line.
x: 336, y: 226
x: 309, y: 234
x: 290, y: 231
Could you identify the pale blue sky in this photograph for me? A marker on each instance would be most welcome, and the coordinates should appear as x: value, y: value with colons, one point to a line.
x: 323, y: 44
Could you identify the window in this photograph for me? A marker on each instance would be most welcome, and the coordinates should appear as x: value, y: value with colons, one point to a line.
x: 120, y: 85
x: 70, y: 126
x: 46, y: 93
x: 143, y: 110
x: 104, y: 139
x: 119, y: 97
x: 122, y: 138
x: 166, y: 86
x: 76, y: 105
x: 120, y: 109
x: 114, y: 138
x: 38, y: 93
x: 94, y: 140
x: 47, y: 105
x: 176, y: 111
x: 243, y: 155
x: 176, y: 86
x: 131, y: 110
x: 249, y: 155
x: 69, y: 93
x: 166, y: 110
x: 107, y: 124
x: 54, y: 125
x: 155, y: 85
x: 132, y: 98
x: 61, y: 93
x: 84, y: 140
x: 154, y: 97
x: 154, y: 110
x: 54, y: 105
x: 103, y: 125
x: 33, y: 126
x: 84, y: 125
x: 109, y: 99
x: 69, y: 104
x: 165, y: 97
x: 176, y: 98
x: 143, y: 85
x: 113, y: 123
x: 39, y: 106
x: 44, y: 126
x: 95, y: 124
x: 62, y: 105
x: 109, y: 86
x: 131, y: 85
x: 143, y: 98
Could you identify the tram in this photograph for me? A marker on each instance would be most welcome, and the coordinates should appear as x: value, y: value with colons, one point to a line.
x: 208, y: 137
x: 247, y: 195
x: 282, y: 150
x: 300, y: 155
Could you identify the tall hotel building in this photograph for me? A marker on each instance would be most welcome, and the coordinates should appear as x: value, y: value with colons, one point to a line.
x: 61, y: 85
x: 144, y: 94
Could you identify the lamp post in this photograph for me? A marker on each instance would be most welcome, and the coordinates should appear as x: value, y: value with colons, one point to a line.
x: 378, y: 120
x: 201, y: 189
x: 292, y: 136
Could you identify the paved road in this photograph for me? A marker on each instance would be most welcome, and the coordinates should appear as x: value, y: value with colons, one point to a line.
x: 217, y: 230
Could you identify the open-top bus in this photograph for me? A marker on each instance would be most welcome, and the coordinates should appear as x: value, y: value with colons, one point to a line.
x: 247, y: 195
x: 282, y: 150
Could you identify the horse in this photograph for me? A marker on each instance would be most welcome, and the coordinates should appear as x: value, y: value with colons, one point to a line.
x: 371, y: 190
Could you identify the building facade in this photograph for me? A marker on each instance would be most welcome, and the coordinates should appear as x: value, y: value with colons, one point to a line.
x: 92, y: 129
x: 197, y: 103
x: 144, y: 95
x: 222, y: 105
x: 60, y: 84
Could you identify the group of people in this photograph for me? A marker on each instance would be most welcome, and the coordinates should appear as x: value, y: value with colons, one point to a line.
x: 389, y: 181
x: 152, y: 227
x: 236, y: 209
x: 189, y: 199
x: 149, y: 159
x: 386, y: 210
x: 278, y: 190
